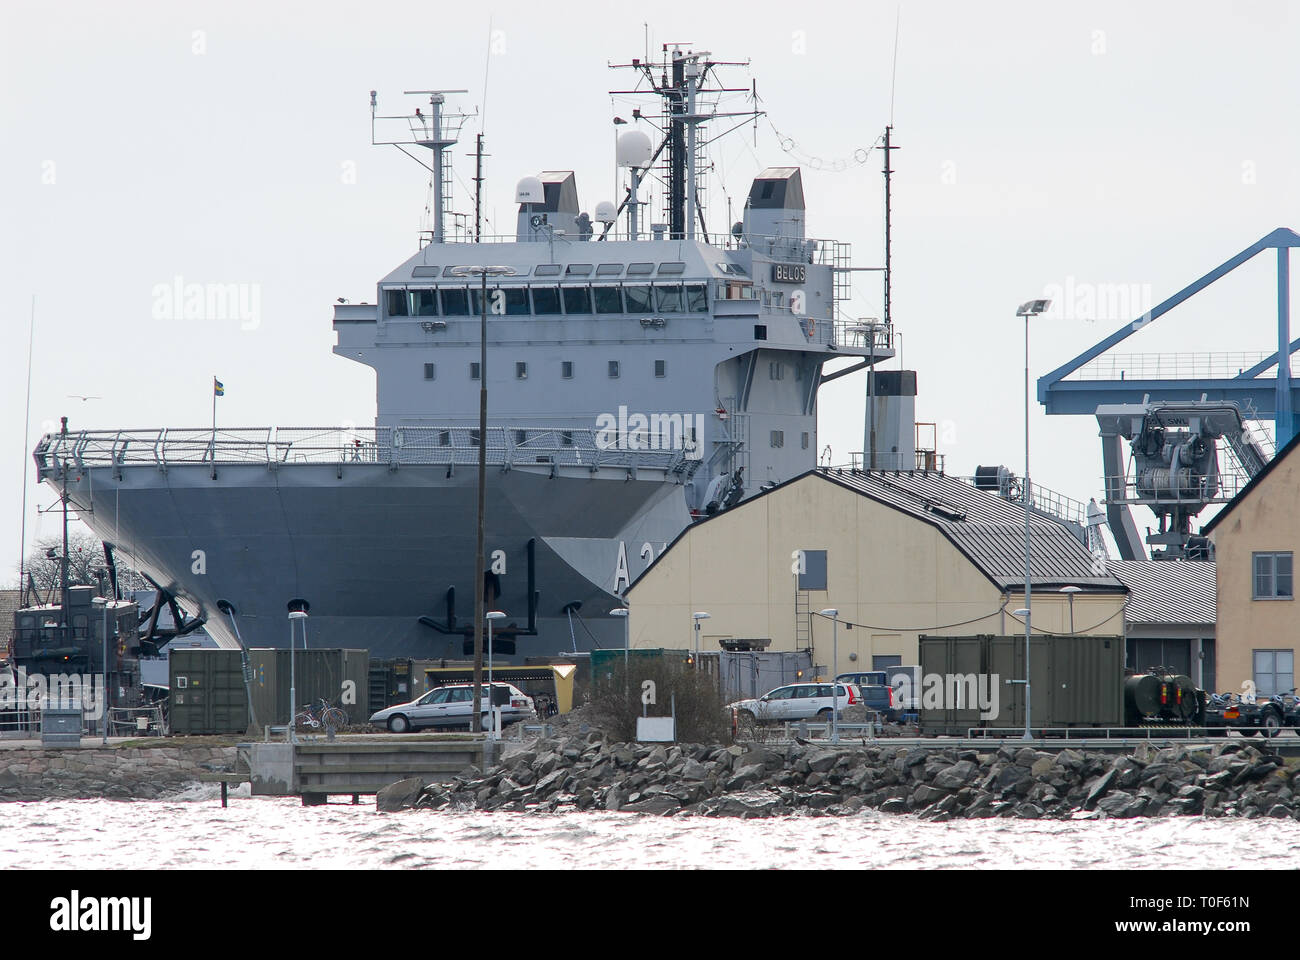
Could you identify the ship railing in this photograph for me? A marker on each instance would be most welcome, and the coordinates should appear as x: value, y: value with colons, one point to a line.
x: 1170, y: 366
x: 808, y: 250
x: 506, y: 447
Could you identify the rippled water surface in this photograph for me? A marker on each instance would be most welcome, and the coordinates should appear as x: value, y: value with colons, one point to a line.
x: 263, y: 832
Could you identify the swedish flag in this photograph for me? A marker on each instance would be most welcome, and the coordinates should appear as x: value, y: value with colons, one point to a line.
x: 218, y: 388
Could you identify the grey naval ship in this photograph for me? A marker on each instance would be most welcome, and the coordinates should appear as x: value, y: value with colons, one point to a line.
x: 642, y: 371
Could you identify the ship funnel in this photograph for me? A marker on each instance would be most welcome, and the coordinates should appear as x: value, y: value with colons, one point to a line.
x: 548, y: 206
x: 894, y: 424
x: 775, y: 206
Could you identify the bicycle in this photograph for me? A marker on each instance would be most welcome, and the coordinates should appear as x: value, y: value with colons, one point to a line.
x: 320, y: 714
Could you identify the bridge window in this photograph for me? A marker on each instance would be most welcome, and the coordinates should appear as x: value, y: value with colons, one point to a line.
x: 639, y: 299
x: 668, y: 299
x: 609, y: 270
x: 426, y: 303
x: 546, y: 301
x: 578, y: 270
x: 608, y: 299
x: 640, y: 269
x: 397, y: 303
x: 577, y: 299
x: 673, y: 266
x: 547, y: 270
x: 455, y: 302
x: 697, y: 298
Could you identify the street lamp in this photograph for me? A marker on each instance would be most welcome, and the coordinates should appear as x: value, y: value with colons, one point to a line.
x: 103, y: 722
x: 297, y: 611
x: 492, y: 712
x: 476, y: 724
x: 1070, y: 592
x: 834, y: 614
x: 1030, y: 308
x: 697, y: 617
x: 627, y: 641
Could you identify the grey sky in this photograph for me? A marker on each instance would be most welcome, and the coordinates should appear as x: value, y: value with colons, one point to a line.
x: 1041, y: 144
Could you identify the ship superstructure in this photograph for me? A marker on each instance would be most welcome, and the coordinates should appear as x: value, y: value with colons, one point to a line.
x: 640, y: 372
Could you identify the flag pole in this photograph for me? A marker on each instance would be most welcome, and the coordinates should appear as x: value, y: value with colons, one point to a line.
x: 214, y: 427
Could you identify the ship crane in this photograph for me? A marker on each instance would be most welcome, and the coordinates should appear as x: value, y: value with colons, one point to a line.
x: 1190, y: 439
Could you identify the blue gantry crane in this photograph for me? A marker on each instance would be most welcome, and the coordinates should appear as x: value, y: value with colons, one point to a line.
x: 1174, y: 416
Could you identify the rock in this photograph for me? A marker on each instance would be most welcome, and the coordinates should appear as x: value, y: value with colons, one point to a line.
x: 745, y: 776
x: 1042, y: 766
x: 694, y: 770
x: 956, y: 776
x: 1098, y: 787
x: 1030, y: 811
x: 660, y: 805
x: 894, y: 805
x: 399, y: 796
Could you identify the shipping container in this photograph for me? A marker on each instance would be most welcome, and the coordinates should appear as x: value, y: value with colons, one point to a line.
x: 206, y: 692
x: 393, y: 681
x: 340, y: 676
x: 744, y: 675
x: 968, y: 682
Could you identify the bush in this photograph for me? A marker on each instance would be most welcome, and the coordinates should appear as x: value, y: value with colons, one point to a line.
x: 616, y: 700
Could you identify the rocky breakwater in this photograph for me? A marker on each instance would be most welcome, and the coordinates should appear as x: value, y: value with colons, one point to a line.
x: 115, y: 773
x: 1229, y: 779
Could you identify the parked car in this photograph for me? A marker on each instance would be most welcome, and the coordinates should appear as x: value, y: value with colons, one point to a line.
x: 798, y: 701
x: 452, y: 706
x: 877, y: 695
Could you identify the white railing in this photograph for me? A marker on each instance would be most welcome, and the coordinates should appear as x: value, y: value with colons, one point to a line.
x: 506, y: 447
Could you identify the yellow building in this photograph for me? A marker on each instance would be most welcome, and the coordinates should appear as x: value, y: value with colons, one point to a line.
x: 1255, y: 538
x: 897, y: 554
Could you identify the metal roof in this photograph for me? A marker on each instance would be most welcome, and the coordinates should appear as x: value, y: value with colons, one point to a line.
x: 989, y: 530
x: 1168, y: 591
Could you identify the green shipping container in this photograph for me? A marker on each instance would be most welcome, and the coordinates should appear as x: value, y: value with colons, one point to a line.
x: 206, y: 693
x: 1076, y: 681
x: 340, y: 676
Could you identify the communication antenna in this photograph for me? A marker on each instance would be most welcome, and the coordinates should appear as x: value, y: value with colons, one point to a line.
x: 437, y: 131
x: 27, y: 419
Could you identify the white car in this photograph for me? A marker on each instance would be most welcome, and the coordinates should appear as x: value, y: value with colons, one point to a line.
x: 452, y: 706
x: 798, y: 701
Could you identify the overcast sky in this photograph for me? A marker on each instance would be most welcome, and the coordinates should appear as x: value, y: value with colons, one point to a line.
x: 1081, y: 147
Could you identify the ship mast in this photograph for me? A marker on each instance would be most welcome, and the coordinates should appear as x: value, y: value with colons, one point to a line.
x: 681, y: 82
x: 438, y: 131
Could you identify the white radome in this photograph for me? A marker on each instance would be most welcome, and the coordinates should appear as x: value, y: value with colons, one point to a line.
x: 634, y: 150
x: 529, y: 190
x: 605, y: 212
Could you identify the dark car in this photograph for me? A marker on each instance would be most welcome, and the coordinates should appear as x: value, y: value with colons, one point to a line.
x: 877, y: 695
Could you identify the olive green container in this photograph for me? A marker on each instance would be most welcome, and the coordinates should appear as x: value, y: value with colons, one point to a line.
x: 206, y: 693
x: 340, y: 676
x: 1076, y: 681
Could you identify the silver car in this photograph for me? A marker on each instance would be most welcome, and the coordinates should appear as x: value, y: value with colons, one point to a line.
x: 798, y: 701
x: 452, y: 706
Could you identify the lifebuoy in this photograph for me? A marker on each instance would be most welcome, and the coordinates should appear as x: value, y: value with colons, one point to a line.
x: 812, y: 326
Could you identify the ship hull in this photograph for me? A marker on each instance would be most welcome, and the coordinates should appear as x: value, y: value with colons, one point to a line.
x: 375, y: 549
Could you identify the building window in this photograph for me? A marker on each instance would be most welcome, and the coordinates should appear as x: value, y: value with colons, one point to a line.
x: 566, y: 369
x: 613, y: 369
x: 760, y: 331
x: 473, y: 370
x: 778, y: 438
x: 430, y: 371
x: 1274, y: 671
x: 521, y: 370
x: 661, y: 368
x: 1273, y: 576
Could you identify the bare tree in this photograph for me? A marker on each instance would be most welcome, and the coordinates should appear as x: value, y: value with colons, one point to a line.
x: 85, y: 559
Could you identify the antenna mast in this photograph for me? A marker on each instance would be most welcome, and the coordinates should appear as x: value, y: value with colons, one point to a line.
x: 437, y: 131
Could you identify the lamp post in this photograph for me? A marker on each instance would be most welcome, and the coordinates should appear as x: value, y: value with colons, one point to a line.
x: 476, y: 724
x: 834, y: 615
x: 1070, y: 592
x: 697, y: 617
x: 492, y: 707
x: 1030, y: 308
x: 103, y: 723
x: 297, y: 611
x: 627, y: 644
